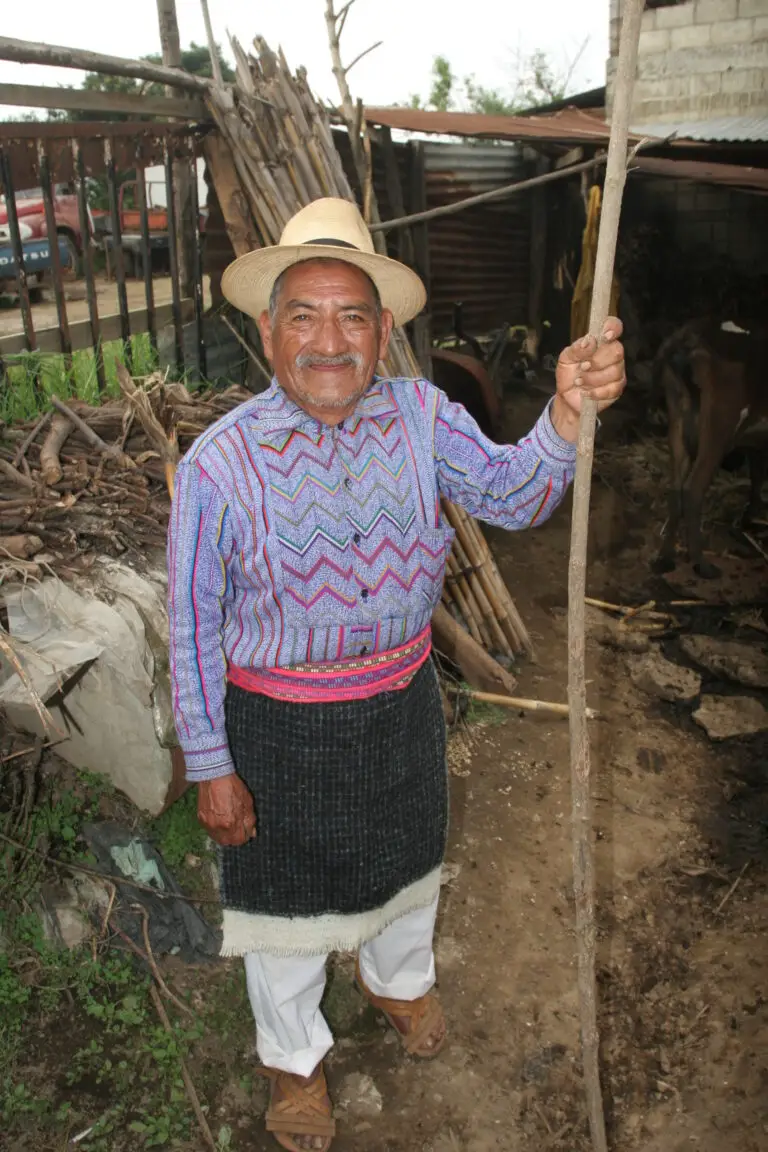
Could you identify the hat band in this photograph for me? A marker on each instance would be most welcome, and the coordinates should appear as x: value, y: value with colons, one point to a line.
x: 325, y: 241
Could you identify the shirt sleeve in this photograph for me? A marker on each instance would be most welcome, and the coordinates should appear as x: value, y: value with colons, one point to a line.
x: 199, y: 541
x: 511, y: 485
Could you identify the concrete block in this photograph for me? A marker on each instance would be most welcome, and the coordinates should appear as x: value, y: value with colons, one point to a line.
x: 651, y: 43
x: 690, y: 36
x: 760, y: 28
x: 732, y: 32
x: 743, y: 80
x: 753, y: 8
x: 710, y: 11
x: 676, y: 16
x: 705, y: 83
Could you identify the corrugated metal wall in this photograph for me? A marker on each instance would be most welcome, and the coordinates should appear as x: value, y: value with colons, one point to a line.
x: 479, y: 257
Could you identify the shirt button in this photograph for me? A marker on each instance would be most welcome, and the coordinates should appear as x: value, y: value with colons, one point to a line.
x: 363, y: 651
x: 347, y: 483
x: 364, y: 594
x: 357, y: 537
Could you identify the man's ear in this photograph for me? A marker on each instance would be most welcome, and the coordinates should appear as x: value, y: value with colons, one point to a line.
x: 387, y: 322
x: 265, y: 328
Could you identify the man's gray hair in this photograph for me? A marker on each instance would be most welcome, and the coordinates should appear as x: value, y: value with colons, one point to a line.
x: 277, y: 287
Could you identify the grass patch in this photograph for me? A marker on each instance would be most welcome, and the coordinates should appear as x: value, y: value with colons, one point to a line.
x: 31, y: 378
x: 80, y: 1044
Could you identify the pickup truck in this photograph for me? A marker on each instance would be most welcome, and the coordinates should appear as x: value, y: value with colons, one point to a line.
x: 34, y: 236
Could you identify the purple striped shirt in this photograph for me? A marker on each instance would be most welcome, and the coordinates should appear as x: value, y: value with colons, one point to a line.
x: 291, y: 541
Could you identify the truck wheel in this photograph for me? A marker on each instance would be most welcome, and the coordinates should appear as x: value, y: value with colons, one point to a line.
x: 71, y: 266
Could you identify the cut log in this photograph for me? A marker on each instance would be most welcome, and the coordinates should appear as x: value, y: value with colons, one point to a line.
x: 50, y: 464
x: 478, y: 668
x: 20, y: 547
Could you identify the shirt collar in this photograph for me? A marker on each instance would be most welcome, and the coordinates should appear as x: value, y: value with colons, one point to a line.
x: 278, y: 413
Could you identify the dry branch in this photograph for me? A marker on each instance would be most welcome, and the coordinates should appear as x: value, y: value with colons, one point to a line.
x: 28, y: 52
x: 583, y: 862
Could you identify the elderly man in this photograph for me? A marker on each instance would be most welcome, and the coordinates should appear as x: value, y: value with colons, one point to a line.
x: 306, y: 554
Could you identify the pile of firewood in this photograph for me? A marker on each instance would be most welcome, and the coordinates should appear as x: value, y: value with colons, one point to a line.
x: 86, y: 481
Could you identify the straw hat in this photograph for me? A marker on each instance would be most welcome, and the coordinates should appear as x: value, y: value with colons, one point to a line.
x: 331, y: 229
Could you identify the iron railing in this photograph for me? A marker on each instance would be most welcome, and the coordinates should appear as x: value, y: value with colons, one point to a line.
x: 47, y: 155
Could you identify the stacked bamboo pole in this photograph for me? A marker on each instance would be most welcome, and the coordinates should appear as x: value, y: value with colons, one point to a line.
x: 284, y: 157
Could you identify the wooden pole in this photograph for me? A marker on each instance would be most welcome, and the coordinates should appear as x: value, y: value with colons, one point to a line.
x: 501, y: 193
x: 212, y: 50
x: 335, y: 24
x: 27, y: 52
x: 583, y: 862
x: 184, y: 171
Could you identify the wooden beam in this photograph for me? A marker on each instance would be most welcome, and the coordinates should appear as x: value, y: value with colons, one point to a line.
x: 27, y: 52
x: 48, y: 339
x: 81, y: 100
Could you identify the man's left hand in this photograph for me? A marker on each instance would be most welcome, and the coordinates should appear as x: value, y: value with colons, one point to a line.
x: 591, y: 369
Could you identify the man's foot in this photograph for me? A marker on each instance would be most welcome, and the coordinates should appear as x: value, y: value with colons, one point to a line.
x: 300, y: 1111
x: 420, y: 1023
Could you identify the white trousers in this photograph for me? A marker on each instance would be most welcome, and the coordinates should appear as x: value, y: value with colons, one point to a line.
x: 285, y: 991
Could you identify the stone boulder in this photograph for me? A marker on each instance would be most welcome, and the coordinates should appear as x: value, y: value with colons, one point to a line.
x: 659, y: 677
x: 732, y: 659
x: 723, y: 717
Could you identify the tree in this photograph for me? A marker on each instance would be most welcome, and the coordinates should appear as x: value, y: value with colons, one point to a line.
x: 536, y: 82
x: 440, y: 95
x: 194, y: 59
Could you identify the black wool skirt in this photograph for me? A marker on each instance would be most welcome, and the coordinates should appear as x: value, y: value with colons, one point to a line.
x: 351, y: 806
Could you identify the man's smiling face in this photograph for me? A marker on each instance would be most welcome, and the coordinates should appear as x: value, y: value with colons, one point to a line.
x: 324, y: 335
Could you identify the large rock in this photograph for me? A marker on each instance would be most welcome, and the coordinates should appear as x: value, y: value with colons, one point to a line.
x: 96, y: 652
x: 742, y: 663
x: 657, y: 676
x: 723, y: 717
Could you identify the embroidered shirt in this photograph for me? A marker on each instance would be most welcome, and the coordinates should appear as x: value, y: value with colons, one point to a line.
x: 293, y: 542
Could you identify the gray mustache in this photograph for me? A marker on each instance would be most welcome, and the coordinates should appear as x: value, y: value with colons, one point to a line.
x: 310, y: 360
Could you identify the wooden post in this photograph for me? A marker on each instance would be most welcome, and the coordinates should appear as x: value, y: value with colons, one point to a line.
x: 583, y: 862
x: 537, y: 256
x: 405, y: 251
x: 184, y: 171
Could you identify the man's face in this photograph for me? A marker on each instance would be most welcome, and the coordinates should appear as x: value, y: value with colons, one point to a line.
x: 326, y: 338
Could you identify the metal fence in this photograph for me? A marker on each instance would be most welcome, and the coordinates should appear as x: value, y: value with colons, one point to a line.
x: 47, y: 156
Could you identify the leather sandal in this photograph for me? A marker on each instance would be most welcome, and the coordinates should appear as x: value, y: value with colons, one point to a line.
x: 423, y: 1015
x: 301, y: 1110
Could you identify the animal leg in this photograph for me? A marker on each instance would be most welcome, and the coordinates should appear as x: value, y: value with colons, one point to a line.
x: 758, y: 471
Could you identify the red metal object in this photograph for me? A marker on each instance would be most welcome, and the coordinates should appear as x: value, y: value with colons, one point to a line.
x: 465, y: 379
x: 30, y: 209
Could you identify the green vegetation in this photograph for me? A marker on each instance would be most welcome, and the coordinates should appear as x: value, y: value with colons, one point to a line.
x: 81, y: 1046
x: 535, y: 81
x: 31, y: 378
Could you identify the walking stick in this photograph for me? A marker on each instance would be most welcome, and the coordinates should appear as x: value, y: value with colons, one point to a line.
x: 583, y: 862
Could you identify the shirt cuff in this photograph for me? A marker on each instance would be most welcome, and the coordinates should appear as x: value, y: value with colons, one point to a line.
x: 208, y: 763
x: 560, y: 454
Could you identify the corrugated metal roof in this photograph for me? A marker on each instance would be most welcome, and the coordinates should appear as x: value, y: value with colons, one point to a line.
x: 733, y: 175
x: 571, y: 126
x: 731, y: 128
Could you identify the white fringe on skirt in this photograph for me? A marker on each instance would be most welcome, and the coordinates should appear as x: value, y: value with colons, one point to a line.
x: 317, y: 935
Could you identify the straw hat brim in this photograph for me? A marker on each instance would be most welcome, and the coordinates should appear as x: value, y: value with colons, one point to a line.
x: 247, y: 282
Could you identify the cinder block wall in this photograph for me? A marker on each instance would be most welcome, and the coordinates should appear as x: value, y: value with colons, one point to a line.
x: 698, y: 60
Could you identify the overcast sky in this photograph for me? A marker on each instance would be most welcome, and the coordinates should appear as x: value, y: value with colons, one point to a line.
x: 484, y: 37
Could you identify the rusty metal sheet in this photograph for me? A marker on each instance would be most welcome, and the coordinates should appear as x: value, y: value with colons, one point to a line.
x: 732, y: 175
x: 131, y: 141
x: 571, y: 126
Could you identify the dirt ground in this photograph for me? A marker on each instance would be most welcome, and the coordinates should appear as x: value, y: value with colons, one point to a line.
x: 682, y: 961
